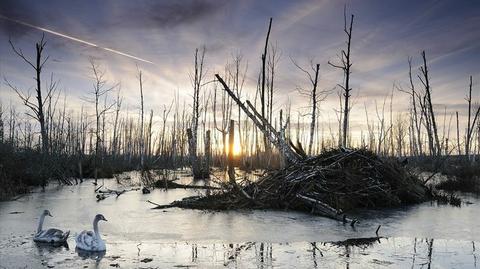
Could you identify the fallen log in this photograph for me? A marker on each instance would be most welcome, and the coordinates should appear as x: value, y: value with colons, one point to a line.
x: 357, y: 242
x: 157, y: 206
x: 361, y: 241
x: 325, y: 210
x: 188, y: 202
x: 170, y: 184
x: 263, y: 125
x: 103, y: 194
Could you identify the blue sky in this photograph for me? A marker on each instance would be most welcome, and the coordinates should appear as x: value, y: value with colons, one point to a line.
x: 166, y: 33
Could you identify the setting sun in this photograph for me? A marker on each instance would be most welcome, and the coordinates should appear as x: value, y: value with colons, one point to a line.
x: 237, y: 148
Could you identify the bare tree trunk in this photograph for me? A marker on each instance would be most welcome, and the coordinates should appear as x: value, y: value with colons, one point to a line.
x: 347, y: 89
x: 41, y: 119
x: 340, y: 119
x: 2, y: 132
x: 148, y: 149
x: 470, y: 123
x: 273, y: 58
x: 415, y: 113
x: 315, y: 96
x: 142, y: 140
x: 98, y: 92
x: 345, y: 65
x: 469, y: 127
x: 391, y: 144
x: 115, y: 124
x: 80, y: 171
x: 478, y: 139
x: 459, y: 149
x: 262, y: 90
x: 208, y: 152
x: 191, y: 153
x: 197, y: 83
x: 426, y: 83
x: 314, y: 110
x: 38, y: 107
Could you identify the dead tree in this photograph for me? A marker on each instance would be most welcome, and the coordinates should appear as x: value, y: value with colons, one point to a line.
x: 204, y: 121
x: 2, y: 132
x: 429, y: 107
x: 262, y: 124
x: 314, y: 108
x: 371, y: 130
x: 470, y: 123
x: 118, y: 106
x: 315, y: 96
x: 417, y: 123
x: 142, y: 140
x: 262, y: 89
x: 238, y: 76
x: 478, y: 138
x: 381, y: 126
x: 208, y: 152
x: 345, y: 65
x: 197, y: 81
x: 166, y: 113
x: 391, y: 147
x: 399, y: 129
x: 148, y: 138
x: 37, y: 107
x: 459, y: 149
x: 226, y: 111
x: 273, y: 59
x: 99, y: 91
x: 339, y: 114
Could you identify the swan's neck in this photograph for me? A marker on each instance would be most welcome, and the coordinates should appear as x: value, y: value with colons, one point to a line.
x: 95, y: 228
x: 40, y: 223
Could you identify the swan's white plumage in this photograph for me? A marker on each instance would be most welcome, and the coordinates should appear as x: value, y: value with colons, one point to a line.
x: 52, y: 236
x: 91, y: 241
x: 87, y: 240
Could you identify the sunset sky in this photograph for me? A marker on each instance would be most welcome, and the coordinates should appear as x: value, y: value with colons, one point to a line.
x: 166, y: 33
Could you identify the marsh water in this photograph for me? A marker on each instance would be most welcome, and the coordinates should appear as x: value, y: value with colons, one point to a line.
x: 427, y: 235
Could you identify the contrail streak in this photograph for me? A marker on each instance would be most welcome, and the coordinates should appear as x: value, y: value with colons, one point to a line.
x: 75, y: 39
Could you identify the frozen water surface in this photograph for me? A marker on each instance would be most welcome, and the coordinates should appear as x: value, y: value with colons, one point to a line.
x: 421, y: 236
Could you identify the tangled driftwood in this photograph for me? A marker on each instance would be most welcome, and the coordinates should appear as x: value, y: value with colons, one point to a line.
x: 329, y: 184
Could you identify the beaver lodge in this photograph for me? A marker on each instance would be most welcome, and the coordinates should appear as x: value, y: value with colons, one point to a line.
x: 329, y: 184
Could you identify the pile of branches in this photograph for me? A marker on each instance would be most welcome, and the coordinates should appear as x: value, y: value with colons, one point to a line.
x: 329, y: 184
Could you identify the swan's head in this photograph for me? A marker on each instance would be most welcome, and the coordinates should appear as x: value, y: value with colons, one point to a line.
x: 47, y: 213
x: 99, y: 217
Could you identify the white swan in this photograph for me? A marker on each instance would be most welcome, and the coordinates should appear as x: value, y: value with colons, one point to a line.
x: 91, y: 241
x: 52, y: 236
